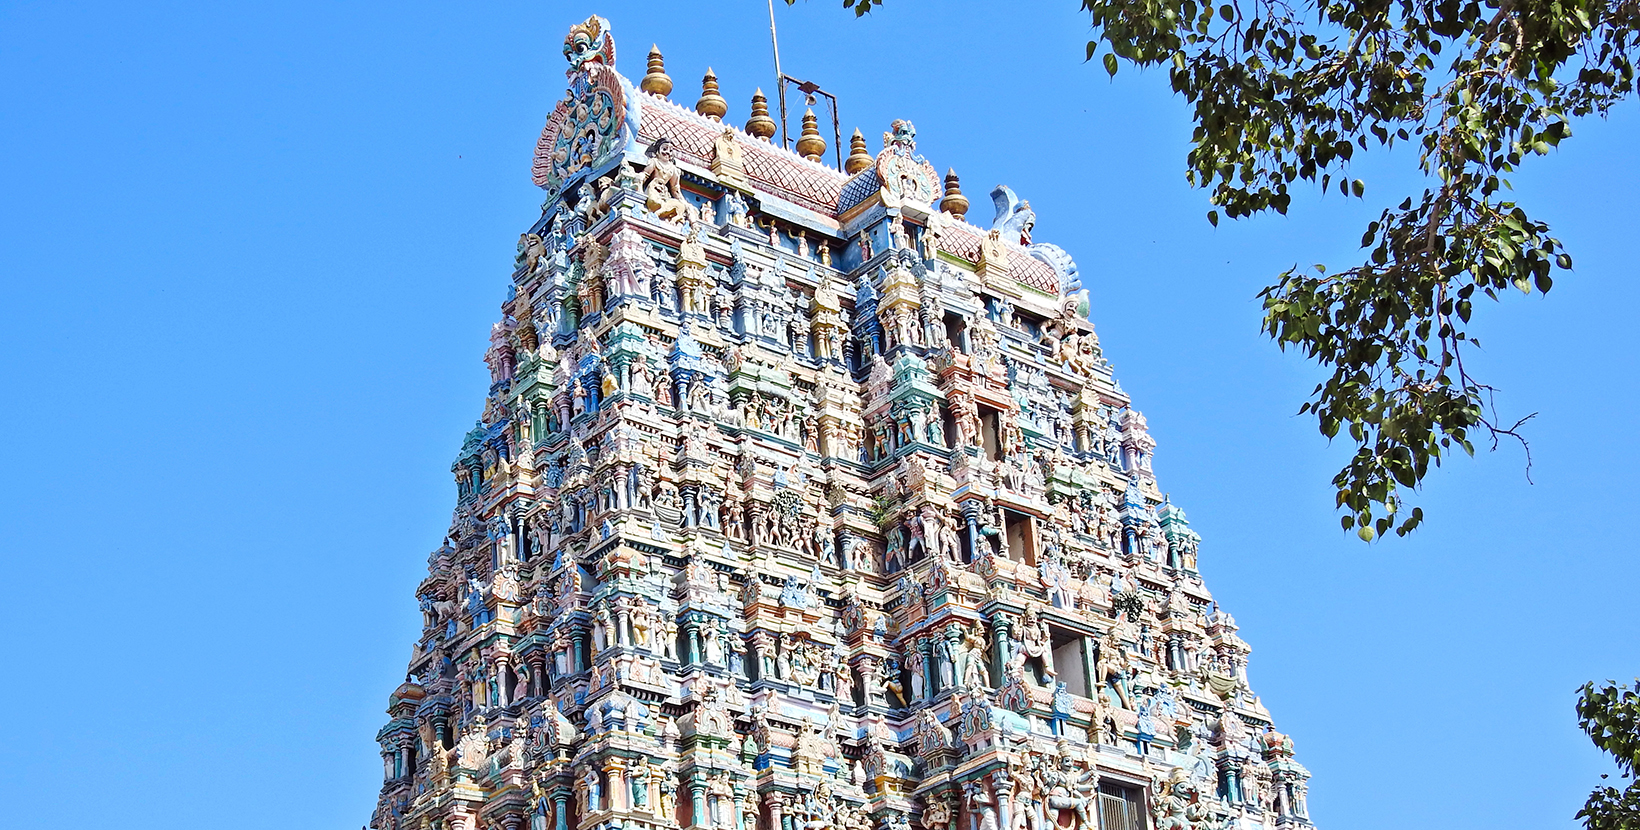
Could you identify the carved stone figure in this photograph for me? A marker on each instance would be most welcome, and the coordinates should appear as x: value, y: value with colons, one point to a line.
x: 728, y: 160
x: 1014, y: 217
x: 1035, y: 640
x: 1067, y: 789
x: 662, y: 189
x: 530, y: 250
x: 1113, y: 668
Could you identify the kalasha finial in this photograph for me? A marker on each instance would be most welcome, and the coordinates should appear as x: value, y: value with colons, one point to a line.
x: 711, y: 104
x: 954, y: 202
x: 810, y: 145
x: 859, y: 158
x: 657, y: 82
x: 760, y: 125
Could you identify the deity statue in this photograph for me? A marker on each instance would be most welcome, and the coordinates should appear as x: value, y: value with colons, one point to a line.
x: 974, y: 650
x: 1070, y: 790
x: 728, y: 159
x: 891, y: 682
x: 1176, y: 803
x: 530, y: 250
x: 1034, y: 640
x: 936, y: 815
x: 1114, y: 666
x: 663, y: 192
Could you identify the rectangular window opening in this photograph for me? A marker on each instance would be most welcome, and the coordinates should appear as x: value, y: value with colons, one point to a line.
x: 956, y: 331
x: 989, y: 432
x: 1070, y: 660
x: 1120, y: 808
x: 1021, y: 537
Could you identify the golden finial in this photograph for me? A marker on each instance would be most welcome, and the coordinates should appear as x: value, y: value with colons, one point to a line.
x: 954, y: 202
x: 711, y: 104
x: 810, y: 145
x: 760, y: 125
x: 657, y: 82
x: 859, y: 158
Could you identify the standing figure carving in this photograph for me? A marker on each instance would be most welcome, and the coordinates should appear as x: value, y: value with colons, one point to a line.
x: 662, y: 184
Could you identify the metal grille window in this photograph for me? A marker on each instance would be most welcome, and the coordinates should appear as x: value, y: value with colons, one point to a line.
x: 1120, y: 808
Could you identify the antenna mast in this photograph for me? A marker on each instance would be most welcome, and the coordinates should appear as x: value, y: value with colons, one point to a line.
x: 779, y: 79
x: 809, y: 90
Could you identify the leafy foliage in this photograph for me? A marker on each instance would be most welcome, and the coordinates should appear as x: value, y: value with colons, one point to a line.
x: 1288, y: 92
x: 882, y: 511
x: 1610, y: 715
x: 1182, y: 737
x: 1129, y: 602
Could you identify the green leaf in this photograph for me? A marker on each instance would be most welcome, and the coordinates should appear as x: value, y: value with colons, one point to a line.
x: 1277, y: 99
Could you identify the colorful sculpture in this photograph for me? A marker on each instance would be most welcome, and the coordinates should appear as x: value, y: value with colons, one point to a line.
x: 800, y: 503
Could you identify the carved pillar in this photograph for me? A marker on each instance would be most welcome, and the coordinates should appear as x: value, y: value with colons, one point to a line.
x: 931, y: 668
x: 620, y: 793
x: 692, y: 646
x: 560, y: 810
x: 680, y: 390
x: 697, y: 803
x: 578, y: 662
x: 503, y: 670
x: 441, y: 732
x: 949, y: 654
x: 1232, y: 779
x: 970, y: 515
x: 870, y: 678
x: 562, y: 405
x: 691, y: 509
x: 1001, y: 649
x: 537, y: 662
x: 1002, y: 786
x: 623, y: 624
x: 777, y: 817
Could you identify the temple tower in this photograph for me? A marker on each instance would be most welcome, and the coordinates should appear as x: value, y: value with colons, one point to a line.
x: 800, y: 502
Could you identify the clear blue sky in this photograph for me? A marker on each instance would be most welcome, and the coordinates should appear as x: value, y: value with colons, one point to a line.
x: 250, y: 253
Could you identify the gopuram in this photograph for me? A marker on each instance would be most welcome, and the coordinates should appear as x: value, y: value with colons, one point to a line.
x: 802, y: 502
